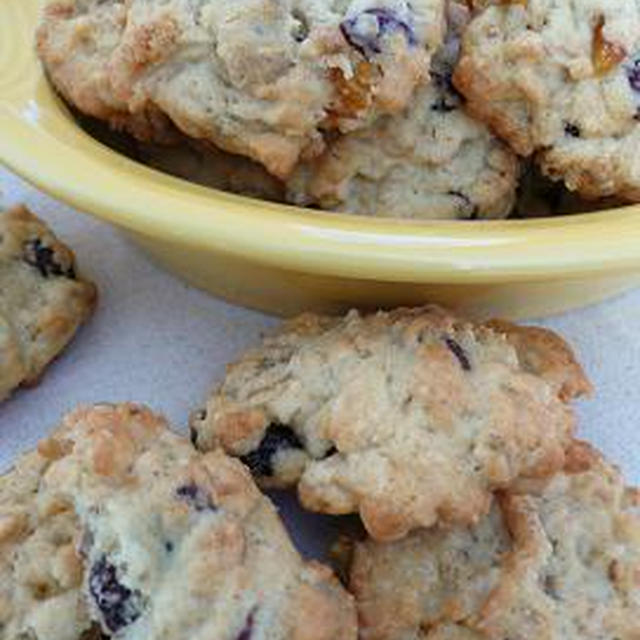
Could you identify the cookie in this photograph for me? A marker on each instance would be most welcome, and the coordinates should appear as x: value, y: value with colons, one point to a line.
x: 430, y: 161
x: 260, y: 78
x: 561, y: 81
x: 42, y: 301
x: 408, y: 418
x: 41, y: 571
x: 75, y: 42
x: 562, y: 563
x: 182, y: 545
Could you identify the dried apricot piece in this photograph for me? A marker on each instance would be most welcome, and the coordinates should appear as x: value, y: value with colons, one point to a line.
x: 606, y: 55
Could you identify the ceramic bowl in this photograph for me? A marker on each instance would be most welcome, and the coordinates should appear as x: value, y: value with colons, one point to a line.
x: 284, y: 259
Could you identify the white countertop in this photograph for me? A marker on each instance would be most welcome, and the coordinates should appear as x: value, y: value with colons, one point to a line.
x: 155, y: 340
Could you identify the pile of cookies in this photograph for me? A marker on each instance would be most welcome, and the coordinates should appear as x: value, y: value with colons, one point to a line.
x: 421, y: 109
x: 482, y: 516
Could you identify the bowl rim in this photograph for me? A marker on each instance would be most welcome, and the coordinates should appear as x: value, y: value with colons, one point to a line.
x: 40, y: 141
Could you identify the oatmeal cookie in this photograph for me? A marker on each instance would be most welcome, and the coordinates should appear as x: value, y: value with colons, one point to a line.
x: 75, y: 41
x: 562, y: 563
x: 42, y: 301
x: 561, y: 80
x: 260, y: 78
x: 41, y: 571
x: 182, y: 545
x: 408, y: 417
x: 430, y: 161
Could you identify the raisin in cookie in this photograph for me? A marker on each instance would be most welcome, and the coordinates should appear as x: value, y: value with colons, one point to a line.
x: 42, y: 302
x: 561, y: 80
x: 430, y: 161
x: 408, y: 417
x: 41, y: 571
x: 182, y: 545
x: 562, y: 563
x: 260, y: 78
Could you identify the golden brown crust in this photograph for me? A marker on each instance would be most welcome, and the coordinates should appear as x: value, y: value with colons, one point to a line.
x: 547, y: 354
x: 75, y: 40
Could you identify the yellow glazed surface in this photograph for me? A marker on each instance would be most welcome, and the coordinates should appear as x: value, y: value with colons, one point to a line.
x: 283, y: 259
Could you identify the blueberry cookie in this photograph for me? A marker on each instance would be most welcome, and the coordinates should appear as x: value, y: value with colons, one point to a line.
x: 182, y: 545
x: 561, y: 80
x: 430, y: 161
x: 42, y: 301
x: 41, y: 571
x: 260, y: 78
x: 562, y: 563
x: 408, y: 417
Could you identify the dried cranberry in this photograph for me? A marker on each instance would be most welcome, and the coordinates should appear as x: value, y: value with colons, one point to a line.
x: 247, y: 630
x: 366, y: 30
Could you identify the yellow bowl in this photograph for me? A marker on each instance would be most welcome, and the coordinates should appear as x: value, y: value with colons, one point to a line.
x: 283, y: 259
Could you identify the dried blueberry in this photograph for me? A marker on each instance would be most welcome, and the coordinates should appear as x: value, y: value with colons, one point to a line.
x: 458, y: 352
x: 247, y: 630
x: 276, y: 438
x: 632, y: 69
x: 119, y: 605
x: 42, y: 258
x: 195, y: 497
x: 572, y: 130
x: 366, y: 30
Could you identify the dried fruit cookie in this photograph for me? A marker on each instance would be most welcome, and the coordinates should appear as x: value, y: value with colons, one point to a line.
x: 182, y: 545
x: 409, y: 417
x: 41, y: 571
x: 562, y: 563
x: 42, y: 301
x: 430, y: 161
x: 75, y: 42
x: 261, y: 78
x: 561, y: 80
